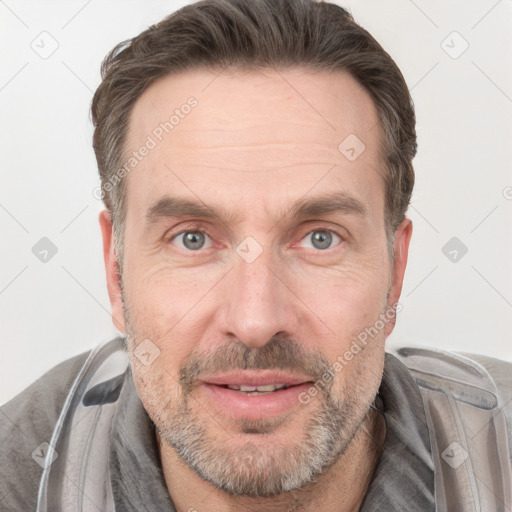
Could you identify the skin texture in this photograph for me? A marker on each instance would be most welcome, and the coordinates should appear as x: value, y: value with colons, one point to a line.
x: 254, y: 144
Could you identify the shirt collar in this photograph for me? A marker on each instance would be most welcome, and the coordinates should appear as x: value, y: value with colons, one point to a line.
x: 137, y: 478
x: 403, y: 478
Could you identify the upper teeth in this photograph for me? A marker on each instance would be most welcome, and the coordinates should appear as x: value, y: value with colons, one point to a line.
x: 269, y: 387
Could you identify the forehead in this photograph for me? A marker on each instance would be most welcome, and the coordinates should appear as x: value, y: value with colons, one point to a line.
x: 271, y: 135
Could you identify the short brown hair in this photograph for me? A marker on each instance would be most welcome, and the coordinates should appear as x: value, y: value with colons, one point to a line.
x: 252, y: 34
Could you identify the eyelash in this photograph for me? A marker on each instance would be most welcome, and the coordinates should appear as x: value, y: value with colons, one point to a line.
x: 200, y: 229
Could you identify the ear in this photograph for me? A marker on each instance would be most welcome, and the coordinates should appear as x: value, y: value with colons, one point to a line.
x: 112, y: 271
x: 402, y: 238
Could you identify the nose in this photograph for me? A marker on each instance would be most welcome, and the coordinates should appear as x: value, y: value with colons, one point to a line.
x: 257, y: 303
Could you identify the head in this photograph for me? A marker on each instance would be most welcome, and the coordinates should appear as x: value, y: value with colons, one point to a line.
x: 256, y: 166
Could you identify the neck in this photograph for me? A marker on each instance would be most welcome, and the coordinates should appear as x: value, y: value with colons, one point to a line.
x: 341, y: 488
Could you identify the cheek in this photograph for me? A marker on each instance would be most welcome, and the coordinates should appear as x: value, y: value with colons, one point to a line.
x: 349, y: 302
x: 162, y: 309
x: 358, y: 369
x: 347, y: 299
x: 159, y: 392
x: 161, y: 300
x: 164, y: 289
x: 148, y: 381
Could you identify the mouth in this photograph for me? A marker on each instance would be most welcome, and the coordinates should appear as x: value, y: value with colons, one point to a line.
x: 255, y: 394
x: 258, y: 390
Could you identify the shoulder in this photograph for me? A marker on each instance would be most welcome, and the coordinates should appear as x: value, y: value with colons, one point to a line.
x: 457, y: 366
x: 26, y: 424
x: 498, y: 369
x: 465, y: 393
x: 500, y: 372
x: 482, y: 380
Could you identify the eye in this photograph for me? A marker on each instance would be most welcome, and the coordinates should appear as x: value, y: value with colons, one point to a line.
x: 321, y: 239
x: 191, y: 240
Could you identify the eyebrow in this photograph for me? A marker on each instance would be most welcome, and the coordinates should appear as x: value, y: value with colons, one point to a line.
x: 179, y: 207
x: 333, y: 202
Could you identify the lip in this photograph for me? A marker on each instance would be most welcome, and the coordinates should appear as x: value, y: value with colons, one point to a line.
x: 237, y: 405
x: 256, y: 378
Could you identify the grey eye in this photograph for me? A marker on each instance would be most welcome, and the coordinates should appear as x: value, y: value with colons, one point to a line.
x: 193, y: 240
x: 321, y: 239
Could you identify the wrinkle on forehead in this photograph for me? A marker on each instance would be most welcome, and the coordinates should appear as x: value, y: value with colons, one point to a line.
x: 252, y: 109
x: 257, y: 134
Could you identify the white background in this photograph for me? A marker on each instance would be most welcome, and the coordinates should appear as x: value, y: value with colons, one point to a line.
x: 52, y: 311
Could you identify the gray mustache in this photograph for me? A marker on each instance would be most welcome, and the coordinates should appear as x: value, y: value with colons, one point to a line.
x: 277, y: 353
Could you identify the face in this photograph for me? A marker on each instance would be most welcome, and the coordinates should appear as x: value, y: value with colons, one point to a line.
x: 255, y: 258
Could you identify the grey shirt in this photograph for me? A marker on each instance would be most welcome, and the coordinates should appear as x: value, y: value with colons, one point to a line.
x: 403, y: 478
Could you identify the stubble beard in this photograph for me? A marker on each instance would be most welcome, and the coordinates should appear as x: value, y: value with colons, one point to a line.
x: 256, y: 467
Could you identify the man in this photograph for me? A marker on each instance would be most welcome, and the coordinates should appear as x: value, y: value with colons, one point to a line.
x: 256, y: 165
